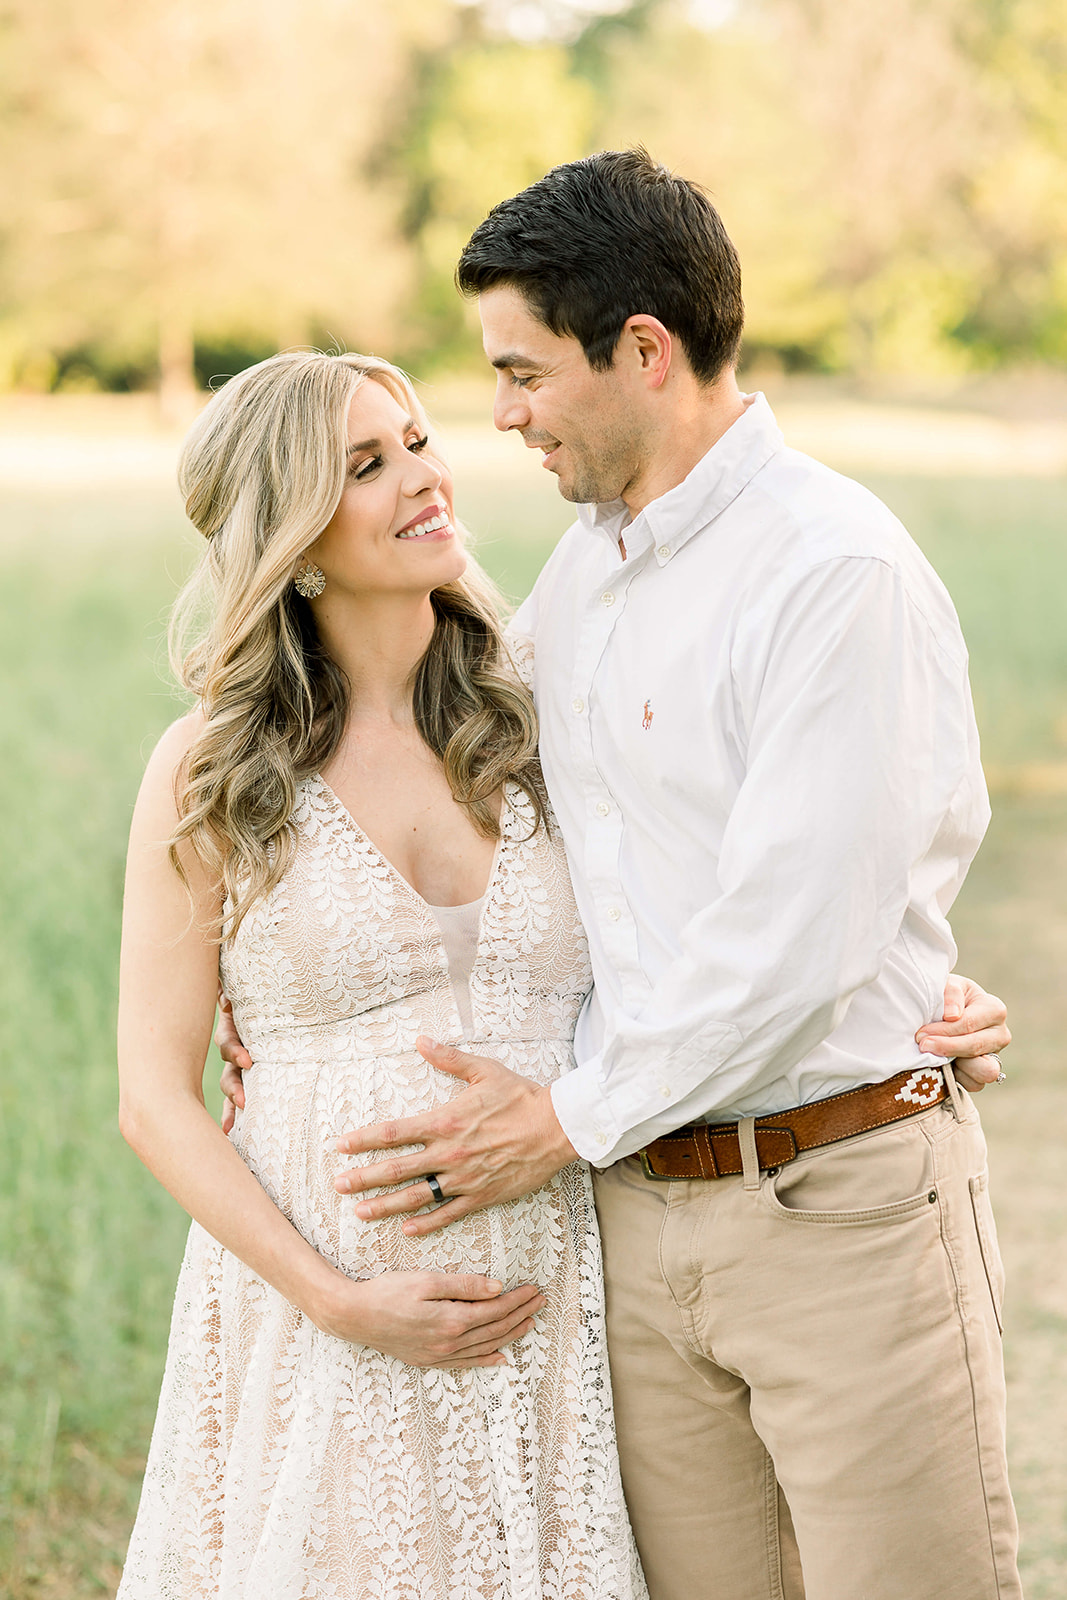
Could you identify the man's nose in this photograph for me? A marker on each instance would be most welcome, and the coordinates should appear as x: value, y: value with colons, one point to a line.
x: 510, y: 408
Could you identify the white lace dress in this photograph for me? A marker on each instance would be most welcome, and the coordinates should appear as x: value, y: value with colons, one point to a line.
x: 290, y: 1465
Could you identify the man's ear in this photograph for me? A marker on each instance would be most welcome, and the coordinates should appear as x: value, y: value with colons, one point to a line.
x: 647, y: 343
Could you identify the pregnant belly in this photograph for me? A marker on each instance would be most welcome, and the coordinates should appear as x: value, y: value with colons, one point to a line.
x: 293, y: 1112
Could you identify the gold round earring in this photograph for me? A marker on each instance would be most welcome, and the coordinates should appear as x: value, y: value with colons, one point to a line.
x: 310, y: 581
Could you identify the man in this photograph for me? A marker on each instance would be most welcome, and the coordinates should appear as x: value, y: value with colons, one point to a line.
x: 758, y: 739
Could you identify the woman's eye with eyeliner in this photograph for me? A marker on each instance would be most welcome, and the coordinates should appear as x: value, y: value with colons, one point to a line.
x: 368, y: 467
x: 420, y: 444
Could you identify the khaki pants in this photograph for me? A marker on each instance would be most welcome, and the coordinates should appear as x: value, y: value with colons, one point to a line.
x: 808, y: 1376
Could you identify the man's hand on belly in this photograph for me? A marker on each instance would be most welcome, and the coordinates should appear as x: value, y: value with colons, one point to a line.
x: 498, y: 1140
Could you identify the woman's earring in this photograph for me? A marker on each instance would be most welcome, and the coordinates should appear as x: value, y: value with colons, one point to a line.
x: 310, y: 581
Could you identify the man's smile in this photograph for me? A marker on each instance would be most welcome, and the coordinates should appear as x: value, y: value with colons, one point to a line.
x: 547, y: 446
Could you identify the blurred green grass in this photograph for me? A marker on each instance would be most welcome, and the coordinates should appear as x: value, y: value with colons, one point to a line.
x: 90, y: 1242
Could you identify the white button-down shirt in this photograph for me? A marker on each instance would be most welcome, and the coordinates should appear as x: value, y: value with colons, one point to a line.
x: 757, y: 734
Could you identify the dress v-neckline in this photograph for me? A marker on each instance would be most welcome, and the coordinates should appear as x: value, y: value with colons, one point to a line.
x: 338, y: 804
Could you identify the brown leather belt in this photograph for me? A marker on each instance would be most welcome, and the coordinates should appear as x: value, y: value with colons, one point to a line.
x: 713, y: 1150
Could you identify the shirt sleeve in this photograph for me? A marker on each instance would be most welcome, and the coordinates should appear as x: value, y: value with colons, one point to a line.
x: 860, y: 737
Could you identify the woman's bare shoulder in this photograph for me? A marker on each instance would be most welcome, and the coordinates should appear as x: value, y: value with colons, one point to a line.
x: 175, y: 742
x: 166, y: 761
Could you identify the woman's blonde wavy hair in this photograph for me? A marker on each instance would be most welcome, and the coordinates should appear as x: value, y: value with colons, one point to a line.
x: 262, y: 471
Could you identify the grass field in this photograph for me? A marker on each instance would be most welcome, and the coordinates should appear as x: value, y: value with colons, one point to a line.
x: 91, y: 1244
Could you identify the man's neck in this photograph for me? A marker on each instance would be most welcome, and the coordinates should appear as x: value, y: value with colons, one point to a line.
x: 688, y: 435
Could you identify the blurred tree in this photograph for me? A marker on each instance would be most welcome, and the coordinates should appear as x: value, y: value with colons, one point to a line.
x: 841, y: 142
x: 1019, y: 308
x: 482, y: 118
x: 717, y: 102
x: 904, y: 125
x: 247, y: 173
x: 197, y: 168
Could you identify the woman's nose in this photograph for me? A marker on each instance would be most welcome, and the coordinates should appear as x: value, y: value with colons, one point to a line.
x: 426, y: 474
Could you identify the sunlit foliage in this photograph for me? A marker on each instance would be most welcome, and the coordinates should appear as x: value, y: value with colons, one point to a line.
x: 238, y: 174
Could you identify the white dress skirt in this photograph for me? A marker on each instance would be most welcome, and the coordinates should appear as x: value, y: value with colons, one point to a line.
x: 287, y: 1464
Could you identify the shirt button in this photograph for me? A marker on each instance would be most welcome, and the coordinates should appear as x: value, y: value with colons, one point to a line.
x: 603, y: 809
x: 613, y: 913
x: 601, y: 1138
x: 577, y: 706
x: 664, y: 552
x: 665, y: 1092
x: 607, y: 598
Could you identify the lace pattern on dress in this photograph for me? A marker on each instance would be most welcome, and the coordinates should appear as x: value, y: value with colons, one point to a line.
x: 290, y: 1465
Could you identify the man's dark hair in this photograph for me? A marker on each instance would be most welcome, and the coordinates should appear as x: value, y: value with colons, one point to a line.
x: 606, y: 238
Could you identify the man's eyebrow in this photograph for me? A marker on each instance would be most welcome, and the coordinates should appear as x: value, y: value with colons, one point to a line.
x: 512, y: 358
x: 376, y: 444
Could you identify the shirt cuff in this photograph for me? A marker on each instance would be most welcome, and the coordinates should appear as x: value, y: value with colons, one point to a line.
x: 646, y: 1103
x: 583, y: 1114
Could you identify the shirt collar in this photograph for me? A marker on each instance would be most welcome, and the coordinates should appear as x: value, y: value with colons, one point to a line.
x: 716, y: 480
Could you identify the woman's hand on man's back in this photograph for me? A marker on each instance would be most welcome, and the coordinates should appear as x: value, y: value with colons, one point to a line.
x: 236, y: 1061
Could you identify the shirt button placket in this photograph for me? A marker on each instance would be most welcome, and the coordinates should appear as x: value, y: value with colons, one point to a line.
x: 603, y: 827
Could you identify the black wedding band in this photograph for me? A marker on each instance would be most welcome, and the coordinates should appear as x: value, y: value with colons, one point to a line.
x: 438, y: 1193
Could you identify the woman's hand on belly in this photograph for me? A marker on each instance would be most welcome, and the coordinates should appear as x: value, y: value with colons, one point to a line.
x: 430, y: 1319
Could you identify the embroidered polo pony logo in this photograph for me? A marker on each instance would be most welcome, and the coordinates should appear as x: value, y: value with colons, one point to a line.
x: 646, y: 720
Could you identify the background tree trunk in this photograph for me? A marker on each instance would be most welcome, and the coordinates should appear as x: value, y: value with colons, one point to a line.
x: 178, y: 392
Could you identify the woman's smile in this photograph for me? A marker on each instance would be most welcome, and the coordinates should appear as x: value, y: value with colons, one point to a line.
x: 430, y: 524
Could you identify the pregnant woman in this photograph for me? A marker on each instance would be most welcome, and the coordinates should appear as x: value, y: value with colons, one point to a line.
x: 352, y: 826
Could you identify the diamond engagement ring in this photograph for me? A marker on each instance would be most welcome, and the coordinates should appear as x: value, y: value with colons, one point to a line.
x: 1001, y: 1074
x: 435, y: 1189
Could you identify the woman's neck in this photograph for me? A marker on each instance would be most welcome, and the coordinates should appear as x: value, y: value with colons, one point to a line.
x: 378, y: 644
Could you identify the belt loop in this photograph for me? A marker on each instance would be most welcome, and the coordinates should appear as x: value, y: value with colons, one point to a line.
x: 949, y: 1070
x: 746, y: 1135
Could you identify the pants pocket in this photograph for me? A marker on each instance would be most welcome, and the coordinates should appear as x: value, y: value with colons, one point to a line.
x: 868, y: 1215
x: 878, y: 1178
x: 987, y: 1242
